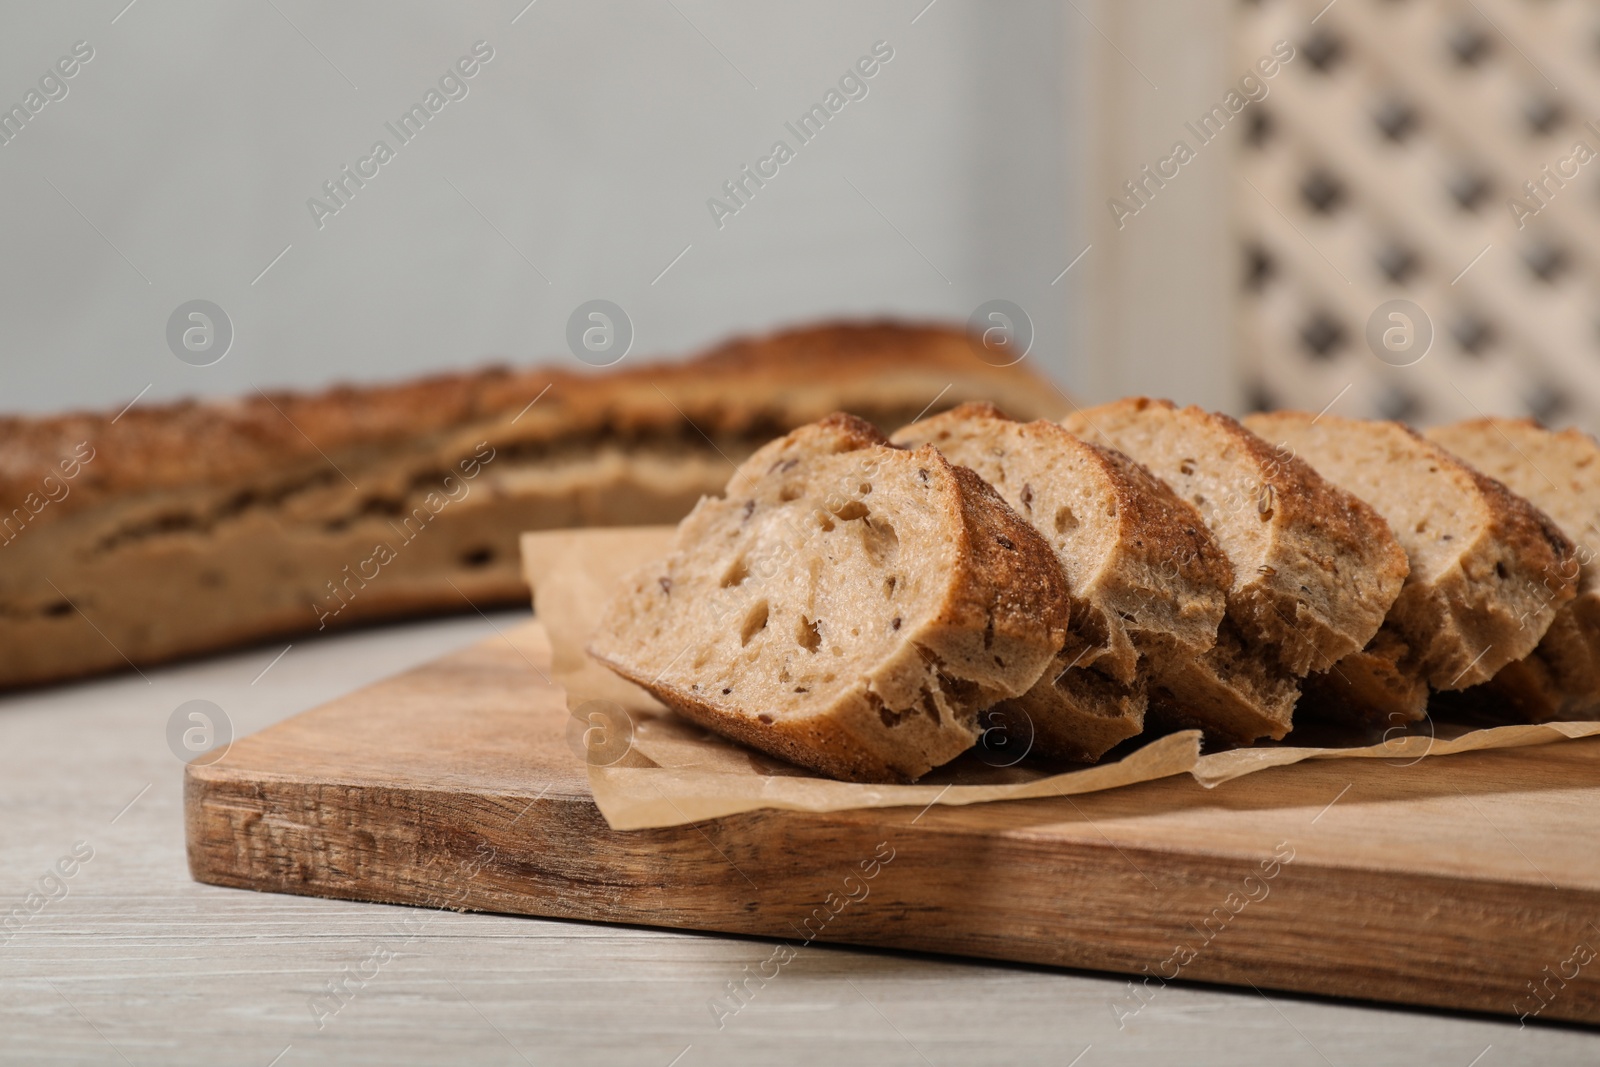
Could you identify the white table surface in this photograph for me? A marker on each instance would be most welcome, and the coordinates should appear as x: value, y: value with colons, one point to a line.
x: 138, y: 964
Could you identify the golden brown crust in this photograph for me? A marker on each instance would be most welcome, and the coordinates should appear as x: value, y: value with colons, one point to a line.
x: 1167, y: 534
x: 971, y: 409
x: 837, y: 432
x: 824, y: 745
x: 759, y: 386
x: 1015, y: 579
x: 1332, y: 527
x: 1531, y: 533
x: 1042, y: 579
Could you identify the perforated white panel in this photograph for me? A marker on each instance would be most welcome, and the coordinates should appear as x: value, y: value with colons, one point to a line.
x: 1383, y: 165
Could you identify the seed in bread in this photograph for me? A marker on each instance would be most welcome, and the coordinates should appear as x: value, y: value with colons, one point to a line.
x: 1141, y: 570
x: 1560, y: 474
x: 1314, y: 568
x: 847, y: 605
x: 1478, y: 595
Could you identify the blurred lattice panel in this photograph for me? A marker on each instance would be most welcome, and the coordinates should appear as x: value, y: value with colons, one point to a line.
x: 1382, y: 164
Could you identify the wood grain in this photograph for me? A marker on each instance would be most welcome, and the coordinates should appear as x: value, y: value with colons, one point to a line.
x: 143, y: 963
x: 1455, y: 882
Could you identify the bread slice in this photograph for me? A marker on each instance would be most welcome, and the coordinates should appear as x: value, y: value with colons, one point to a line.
x: 1236, y: 692
x: 176, y: 529
x: 1141, y: 570
x: 1375, y: 685
x: 1314, y: 568
x: 847, y: 605
x: 1559, y: 473
x: 1477, y: 596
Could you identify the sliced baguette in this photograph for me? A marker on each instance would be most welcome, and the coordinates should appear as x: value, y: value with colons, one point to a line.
x: 1559, y: 473
x: 1141, y: 570
x: 1315, y: 569
x: 847, y: 605
x: 1475, y: 599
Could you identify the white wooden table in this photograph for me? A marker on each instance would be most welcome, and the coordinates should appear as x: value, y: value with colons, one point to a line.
x: 138, y: 964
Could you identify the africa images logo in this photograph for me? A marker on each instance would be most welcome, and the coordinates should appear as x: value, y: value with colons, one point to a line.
x: 52, y: 87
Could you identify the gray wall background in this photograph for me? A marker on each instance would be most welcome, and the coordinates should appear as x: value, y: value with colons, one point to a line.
x: 180, y: 162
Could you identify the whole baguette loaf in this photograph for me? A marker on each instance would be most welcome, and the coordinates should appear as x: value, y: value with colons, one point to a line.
x: 1560, y: 474
x: 847, y: 606
x: 1142, y: 572
x: 171, y: 530
x: 1476, y: 597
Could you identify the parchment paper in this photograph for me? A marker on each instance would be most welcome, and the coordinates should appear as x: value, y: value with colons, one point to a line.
x: 656, y: 769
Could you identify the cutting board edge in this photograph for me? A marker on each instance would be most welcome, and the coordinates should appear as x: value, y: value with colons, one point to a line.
x: 417, y: 885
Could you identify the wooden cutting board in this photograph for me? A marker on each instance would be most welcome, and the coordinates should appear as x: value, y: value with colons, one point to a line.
x: 1468, y: 881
